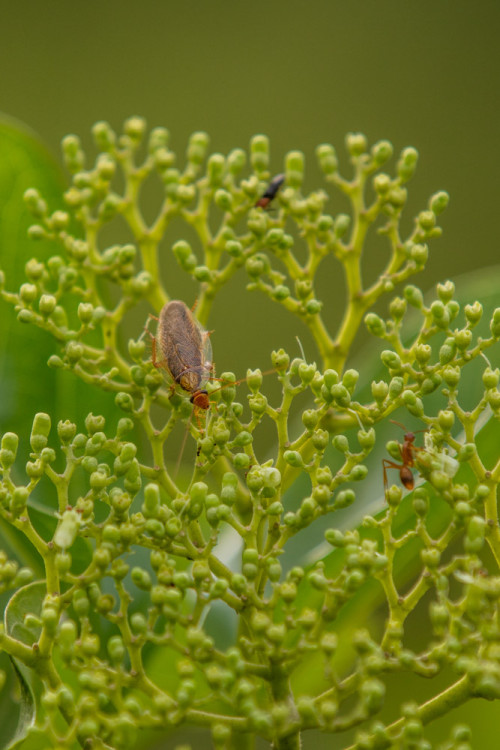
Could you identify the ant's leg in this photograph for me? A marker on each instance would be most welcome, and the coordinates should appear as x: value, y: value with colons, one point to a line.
x: 386, y: 464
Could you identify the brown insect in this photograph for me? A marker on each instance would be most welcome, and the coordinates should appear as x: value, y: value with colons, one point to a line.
x: 184, y: 352
x: 407, y: 450
x: 271, y: 191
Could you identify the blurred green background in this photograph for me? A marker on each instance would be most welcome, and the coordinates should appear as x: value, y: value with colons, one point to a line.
x: 422, y: 73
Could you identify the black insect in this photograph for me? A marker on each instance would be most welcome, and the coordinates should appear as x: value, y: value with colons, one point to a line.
x: 271, y: 191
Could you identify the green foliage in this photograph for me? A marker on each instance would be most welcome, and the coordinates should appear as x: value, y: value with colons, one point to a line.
x: 140, y: 620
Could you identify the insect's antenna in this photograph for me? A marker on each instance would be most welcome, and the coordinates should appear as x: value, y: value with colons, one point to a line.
x: 399, y: 424
x: 361, y: 425
x: 301, y: 348
x: 483, y: 355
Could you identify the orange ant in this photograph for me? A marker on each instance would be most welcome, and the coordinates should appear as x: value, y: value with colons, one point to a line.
x: 407, y: 450
x: 271, y: 191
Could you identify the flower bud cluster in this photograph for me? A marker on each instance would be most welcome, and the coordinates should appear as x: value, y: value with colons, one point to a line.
x: 135, y: 557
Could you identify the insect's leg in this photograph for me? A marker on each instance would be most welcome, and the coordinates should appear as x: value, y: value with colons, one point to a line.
x: 146, y: 327
x: 386, y: 464
x: 151, y: 337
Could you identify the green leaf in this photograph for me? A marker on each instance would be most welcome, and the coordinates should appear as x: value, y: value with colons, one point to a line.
x: 25, y: 163
x: 27, y: 600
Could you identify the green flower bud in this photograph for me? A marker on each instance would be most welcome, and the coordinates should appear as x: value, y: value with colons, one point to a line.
x: 327, y: 158
x: 366, y: 438
x: 40, y: 432
x: 155, y: 527
x: 18, y: 501
x: 407, y: 164
x: 341, y: 443
x: 440, y: 480
x: 463, y: 338
x: 414, y: 296
x: 397, y: 308
x: 35, y: 204
x: 293, y: 458
x: 223, y: 200
x: 135, y: 128
x: 381, y: 152
x: 446, y: 420
x: 394, y: 495
x: 241, y: 461
x: 215, y: 169
x: 391, y: 360
x: 423, y: 353
x: 138, y: 623
x: 476, y: 529
x: 197, y: 148
x: 426, y: 220
x: 324, y: 224
x: 495, y: 323
x: 322, y: 494
x: 141, y: 578
x: 451, y: 376
x: 446, y: 291
x: 358, y: 473
x: 10, y: 442
x: 236, y: 160
x: 372, y: 694
x: 313, y: 307
x: 430, y: 557
x: 257, y: 404
x: 491, y: 377
x: 341, y: 395
x: 37, y: 232
x: 257, y: 265
x: 101, y: 557
x: 124, y: 401
x: 380, y: 391
x: 473, y: 313
x: 258, y: 223
x: 28, y: 293
x: 420, y: 254
x: 342, y: 224
x: 396, y: 387
x: 356, y: 144
x: 439, y: 202
x: 438, y: 310
x: 294, y: 167
x: 151, y: 505
x: 416, y: 408
x: 447, y: 351
x: 259, y: 153
x: 375, y: 325
x: 47, y: 304
x: 382, y: 184
x: 343, y: 499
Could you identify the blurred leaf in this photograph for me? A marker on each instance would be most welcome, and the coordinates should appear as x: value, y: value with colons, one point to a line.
x: 27, y: 384
x: 27, y: 600
x: 24, y: 163
x: 33, y: 739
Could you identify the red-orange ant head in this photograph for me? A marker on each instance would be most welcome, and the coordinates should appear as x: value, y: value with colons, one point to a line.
x: 408, y: 436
